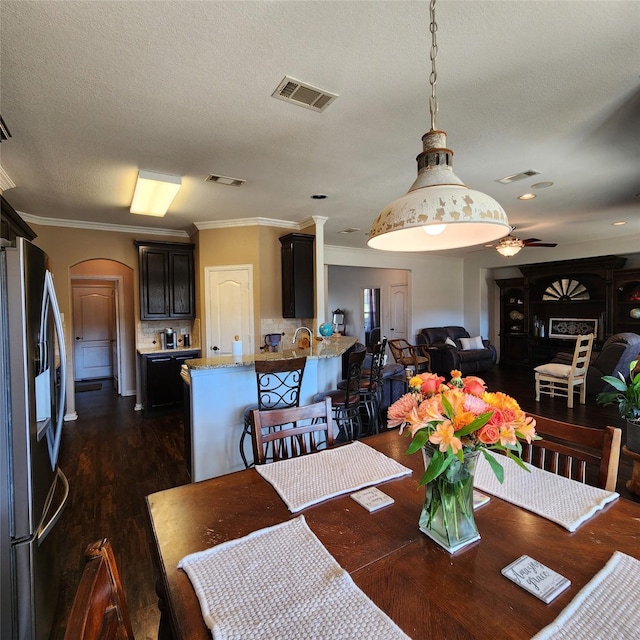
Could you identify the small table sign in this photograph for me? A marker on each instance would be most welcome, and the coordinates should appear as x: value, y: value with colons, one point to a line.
x: 536, y: 578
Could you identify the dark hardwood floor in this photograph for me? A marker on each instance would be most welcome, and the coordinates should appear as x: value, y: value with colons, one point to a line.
x: 114, y: 457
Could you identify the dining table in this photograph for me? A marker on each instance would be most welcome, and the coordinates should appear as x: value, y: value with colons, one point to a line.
x: 427, y: 591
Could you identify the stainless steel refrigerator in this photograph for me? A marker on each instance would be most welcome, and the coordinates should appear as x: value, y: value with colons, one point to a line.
x: 33, y: 489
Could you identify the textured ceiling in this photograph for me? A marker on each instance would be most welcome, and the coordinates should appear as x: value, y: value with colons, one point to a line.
x: 92, y: 91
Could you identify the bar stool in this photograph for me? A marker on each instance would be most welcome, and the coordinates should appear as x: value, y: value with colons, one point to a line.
x: 279, y: 383
x: 346, y: 402
x: 371, y: 387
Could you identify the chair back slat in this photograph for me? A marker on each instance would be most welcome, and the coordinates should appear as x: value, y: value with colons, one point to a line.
x: 279, y: 434
x: 574, y: 450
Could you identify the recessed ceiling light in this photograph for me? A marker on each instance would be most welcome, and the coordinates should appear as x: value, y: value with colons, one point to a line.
x: 619, y: 223
x: 318, y: 196
x: 527, y: 196
x: 541, y: 185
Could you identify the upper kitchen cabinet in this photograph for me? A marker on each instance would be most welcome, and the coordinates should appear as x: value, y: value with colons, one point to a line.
x: 298, y: 283
x: 167, y: 282
x: 12, y: 225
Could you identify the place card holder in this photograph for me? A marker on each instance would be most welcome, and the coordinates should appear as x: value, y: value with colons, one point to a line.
x: 536, y: 578
x: 372, y: 499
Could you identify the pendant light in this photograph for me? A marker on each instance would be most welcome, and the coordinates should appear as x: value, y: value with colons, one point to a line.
x: 439, y: 211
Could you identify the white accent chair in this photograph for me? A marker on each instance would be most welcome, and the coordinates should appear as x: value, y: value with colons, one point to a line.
x: 557, y: 379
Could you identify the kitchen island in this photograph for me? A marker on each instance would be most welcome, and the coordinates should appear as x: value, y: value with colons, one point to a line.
x: 220, y: 388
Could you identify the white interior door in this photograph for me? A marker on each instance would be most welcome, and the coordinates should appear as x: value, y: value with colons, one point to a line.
x: 398, y: 301
x: 229, y: 304
x: 94, y: 331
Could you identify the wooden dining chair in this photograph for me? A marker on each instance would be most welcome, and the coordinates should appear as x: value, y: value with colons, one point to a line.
x: 557, y: 379
x: 279, y: 434
x: 99, y: 610
x: 588, y: 455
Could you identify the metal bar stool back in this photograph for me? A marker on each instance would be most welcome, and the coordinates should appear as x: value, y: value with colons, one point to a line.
x: 279, y: 383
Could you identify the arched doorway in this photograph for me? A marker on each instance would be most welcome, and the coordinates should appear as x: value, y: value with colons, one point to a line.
x: 103, y: 323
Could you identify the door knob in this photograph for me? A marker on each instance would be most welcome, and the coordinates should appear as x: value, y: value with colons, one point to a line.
x: 214, y: 348
x: 78, y: 338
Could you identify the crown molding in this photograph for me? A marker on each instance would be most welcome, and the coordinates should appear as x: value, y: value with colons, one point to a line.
x: 100, y: 226
x: 253, y: 222
x: 5, y: 181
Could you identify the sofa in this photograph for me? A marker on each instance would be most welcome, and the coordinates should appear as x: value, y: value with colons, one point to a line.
x: 453, y: 348
x: 617, y: 353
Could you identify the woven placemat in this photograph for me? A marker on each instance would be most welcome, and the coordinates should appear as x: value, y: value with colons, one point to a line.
x: 563, y: 501
x: 281, y: 582
x: 307, y: 480
x: 607, y: 607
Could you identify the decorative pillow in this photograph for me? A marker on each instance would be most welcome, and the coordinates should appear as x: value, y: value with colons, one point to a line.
x: 471, y: 343
x: 554, y: 369
x: 450, y: 342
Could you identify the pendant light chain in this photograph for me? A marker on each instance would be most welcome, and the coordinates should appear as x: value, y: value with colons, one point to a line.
x: 433, y: 76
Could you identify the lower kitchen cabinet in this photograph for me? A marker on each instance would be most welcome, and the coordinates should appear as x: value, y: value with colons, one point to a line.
x: 161, y: 381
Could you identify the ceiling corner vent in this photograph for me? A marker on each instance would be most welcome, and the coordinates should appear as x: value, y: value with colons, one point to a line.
x: 304, y: 95
x: 231, y: 182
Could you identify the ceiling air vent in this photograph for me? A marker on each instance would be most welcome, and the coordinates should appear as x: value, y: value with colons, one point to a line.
x: 304, y: 95
x: 232, y: 182
x: 518, y: 176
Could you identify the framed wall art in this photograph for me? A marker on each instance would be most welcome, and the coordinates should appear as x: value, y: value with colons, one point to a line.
x: 570, y: 328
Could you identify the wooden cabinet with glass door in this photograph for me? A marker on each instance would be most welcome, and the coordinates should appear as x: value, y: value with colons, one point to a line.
x: 626, y: 301
x: 513, y: 321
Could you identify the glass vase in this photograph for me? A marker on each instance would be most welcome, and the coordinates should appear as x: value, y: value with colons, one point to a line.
x: 447, y: 514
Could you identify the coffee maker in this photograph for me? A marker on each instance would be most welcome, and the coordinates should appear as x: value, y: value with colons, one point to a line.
x: 170, y: 338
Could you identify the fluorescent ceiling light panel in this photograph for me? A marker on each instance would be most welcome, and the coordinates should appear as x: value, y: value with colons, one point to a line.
x: 154, y: 193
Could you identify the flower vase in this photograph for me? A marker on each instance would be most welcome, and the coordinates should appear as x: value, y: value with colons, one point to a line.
x: 447, y: 514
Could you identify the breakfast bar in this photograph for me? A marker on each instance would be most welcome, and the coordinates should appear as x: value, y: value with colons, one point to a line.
x: 219, y: 389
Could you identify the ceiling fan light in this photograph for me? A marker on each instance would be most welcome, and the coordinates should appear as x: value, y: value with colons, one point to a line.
x: 509, y: 246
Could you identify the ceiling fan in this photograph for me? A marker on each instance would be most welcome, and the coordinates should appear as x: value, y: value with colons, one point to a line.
x: 510, y: 245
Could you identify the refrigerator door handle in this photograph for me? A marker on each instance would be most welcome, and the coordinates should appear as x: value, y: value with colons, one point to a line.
x: 54, y: 440
x: 45, y: 527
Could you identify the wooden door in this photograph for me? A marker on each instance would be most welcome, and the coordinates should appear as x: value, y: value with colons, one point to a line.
x: 398, y: 311
x: 229, y: 304
x: 94, y: 331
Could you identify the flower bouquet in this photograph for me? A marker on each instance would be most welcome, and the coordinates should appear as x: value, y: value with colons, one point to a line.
x: 452, y: 423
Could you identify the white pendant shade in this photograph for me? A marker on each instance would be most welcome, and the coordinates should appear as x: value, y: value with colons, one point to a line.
x: 438, y: 197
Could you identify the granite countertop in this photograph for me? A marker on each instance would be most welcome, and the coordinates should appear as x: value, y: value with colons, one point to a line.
x: 151, y: 351
x: 329, y: 348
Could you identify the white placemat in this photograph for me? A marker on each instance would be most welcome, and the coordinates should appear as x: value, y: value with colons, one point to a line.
x: 563, y: 501
x: 310, y: 479
x: 607, y: 607
x: 281, y: 582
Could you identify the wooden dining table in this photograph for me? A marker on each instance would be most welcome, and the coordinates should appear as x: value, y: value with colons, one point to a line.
x: 427, y: 591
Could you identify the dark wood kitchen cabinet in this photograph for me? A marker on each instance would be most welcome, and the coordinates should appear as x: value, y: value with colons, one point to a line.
x: 12, y: 225
x: 167, y: 280
x: 298, y: 283
x: 162, y: 386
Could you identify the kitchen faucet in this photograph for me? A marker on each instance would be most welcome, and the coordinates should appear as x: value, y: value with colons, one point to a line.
x: 295, y: 335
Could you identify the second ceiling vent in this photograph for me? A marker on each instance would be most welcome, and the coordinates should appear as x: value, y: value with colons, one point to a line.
x: 304, y: 95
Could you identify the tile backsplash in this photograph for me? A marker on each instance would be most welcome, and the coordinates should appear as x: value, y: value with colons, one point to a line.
x: 148, y: 332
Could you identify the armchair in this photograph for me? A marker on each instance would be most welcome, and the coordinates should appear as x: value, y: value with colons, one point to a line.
x: 409, y: 355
